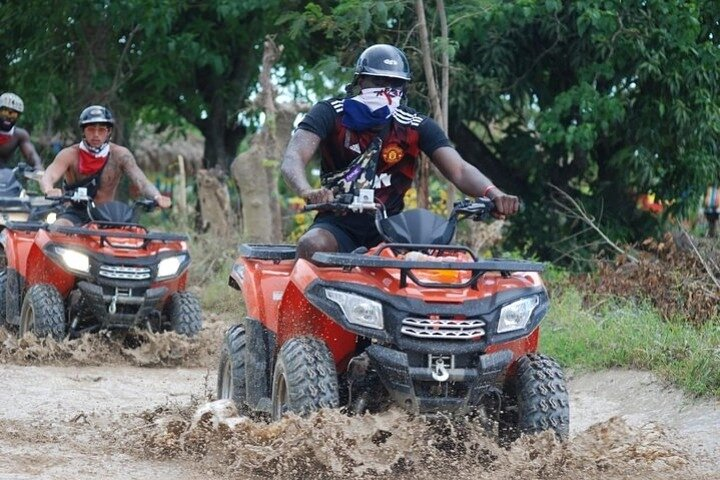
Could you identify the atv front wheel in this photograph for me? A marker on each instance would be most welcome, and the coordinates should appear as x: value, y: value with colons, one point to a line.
x: 231, y: 370
x: 42, y: 312
x: 305, y: 378
x: 534, y: 400
x: 184, y: 314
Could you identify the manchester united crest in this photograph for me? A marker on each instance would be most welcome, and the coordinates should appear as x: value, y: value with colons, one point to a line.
x: 392, y: 154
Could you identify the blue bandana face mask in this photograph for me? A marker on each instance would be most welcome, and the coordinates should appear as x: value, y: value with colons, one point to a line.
x: 372, y: 108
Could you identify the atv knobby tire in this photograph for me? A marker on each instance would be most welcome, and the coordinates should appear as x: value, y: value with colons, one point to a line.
x: 535, y: 400
x: 231, y: 370
x: 43, y: 312
x: 184, y: 314
x: 305, y: 378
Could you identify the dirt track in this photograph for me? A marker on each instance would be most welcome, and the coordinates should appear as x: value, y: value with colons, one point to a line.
x: 71, y: 418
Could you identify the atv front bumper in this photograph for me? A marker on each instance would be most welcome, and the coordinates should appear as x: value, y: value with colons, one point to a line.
x: 122, y: 311
x: 418, y: 390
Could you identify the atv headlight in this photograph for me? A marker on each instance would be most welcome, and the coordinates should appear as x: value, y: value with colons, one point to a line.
x: 74, y: 260
x: 51, y: 217
x: 168, y: 267
x: 514, y: 316
x: 357, y: 309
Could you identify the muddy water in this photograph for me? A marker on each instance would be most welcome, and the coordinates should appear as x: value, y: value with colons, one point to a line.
x: 92, y: 408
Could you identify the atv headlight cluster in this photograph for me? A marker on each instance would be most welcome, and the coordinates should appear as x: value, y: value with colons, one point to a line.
x: 516, y: 315
x: 357, y: 309
x: 169, y: 267
x: 73, y: 260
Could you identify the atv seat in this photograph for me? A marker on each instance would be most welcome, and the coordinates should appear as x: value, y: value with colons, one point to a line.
x: 267, y: 252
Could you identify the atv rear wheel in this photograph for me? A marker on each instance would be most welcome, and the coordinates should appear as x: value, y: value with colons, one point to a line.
x: 184, y: 314
x: 231, y: 370
x: 43, y: 312
x: 305, y: 379
x: 534, y: 400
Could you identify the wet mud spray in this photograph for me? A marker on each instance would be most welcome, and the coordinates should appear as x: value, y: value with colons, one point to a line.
x: 93, y: 408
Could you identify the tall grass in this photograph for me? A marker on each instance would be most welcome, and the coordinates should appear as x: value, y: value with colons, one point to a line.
x: 617, y: 332
x: 212, y: 260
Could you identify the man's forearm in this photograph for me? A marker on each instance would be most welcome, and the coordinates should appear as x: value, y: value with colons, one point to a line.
x: 35, y: 160
x: 472, y: 182
x: 148, y: 189
x: 293, y: 171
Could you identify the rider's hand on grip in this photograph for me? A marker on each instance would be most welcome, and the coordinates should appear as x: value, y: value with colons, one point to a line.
x: 162, y: 201
x: 54, y: 194
x: 505, y: 205
x: 318, y: 195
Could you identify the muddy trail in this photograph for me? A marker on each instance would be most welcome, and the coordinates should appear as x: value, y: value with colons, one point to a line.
x: 102, y: 407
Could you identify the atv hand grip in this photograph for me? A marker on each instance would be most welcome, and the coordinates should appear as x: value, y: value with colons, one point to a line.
x: 330, y: 206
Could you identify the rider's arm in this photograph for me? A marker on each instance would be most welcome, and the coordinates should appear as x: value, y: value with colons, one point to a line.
x: 55, y: 172
x: 28, y: 150
x: 471, y: 181
x: 316, y: 125
x: 299, y: 152
x: 138, y: 178
x: 464, y: 176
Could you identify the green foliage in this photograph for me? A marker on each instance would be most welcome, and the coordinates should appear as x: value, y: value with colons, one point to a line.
x: 604, y: 99
x: 617, y: 333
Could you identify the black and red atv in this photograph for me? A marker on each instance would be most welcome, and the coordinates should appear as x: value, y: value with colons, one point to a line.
x: 109, y: 274
x: 416, y: 321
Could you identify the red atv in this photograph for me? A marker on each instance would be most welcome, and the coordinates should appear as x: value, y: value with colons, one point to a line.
x: 415, y: 321
x: 17, y: 204
x: 110, y: 274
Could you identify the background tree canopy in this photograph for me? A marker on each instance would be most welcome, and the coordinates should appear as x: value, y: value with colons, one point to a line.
x: 603, y: 99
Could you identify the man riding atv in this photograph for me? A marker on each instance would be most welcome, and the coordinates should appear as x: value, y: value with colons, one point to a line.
x: 95, y: 164
x: 13, y: 137
x: 372, y: 122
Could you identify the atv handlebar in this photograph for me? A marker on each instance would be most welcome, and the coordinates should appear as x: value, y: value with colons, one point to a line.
x: 80, y: 196
x: 476, y: 209
x: 344, y: 203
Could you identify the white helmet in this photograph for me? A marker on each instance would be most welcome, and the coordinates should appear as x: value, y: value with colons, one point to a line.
x: 12, y: 101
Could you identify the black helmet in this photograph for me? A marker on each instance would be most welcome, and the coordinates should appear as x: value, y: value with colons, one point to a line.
x: 96, y: 114
x: 383, y: 60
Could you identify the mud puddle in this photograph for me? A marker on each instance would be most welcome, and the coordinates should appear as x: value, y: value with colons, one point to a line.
x: 122, y: 421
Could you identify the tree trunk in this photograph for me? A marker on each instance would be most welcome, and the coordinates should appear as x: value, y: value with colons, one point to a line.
x: 221, y: 140
x: 214, y: 200
x: 423, y: 195
x: 479, y: 155
x: 445, y: 84
x: 256, y: 170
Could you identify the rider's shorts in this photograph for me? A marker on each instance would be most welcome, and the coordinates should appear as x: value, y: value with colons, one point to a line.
x: 351, y: 231
x: 76, y: 214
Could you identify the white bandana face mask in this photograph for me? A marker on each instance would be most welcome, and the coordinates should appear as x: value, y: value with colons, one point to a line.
x: 373, y: 107
x: 377, y: 98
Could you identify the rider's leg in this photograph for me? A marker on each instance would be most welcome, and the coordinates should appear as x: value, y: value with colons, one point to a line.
x: 712, y: 221
x: 64, y: 222
x: 316, y: 240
